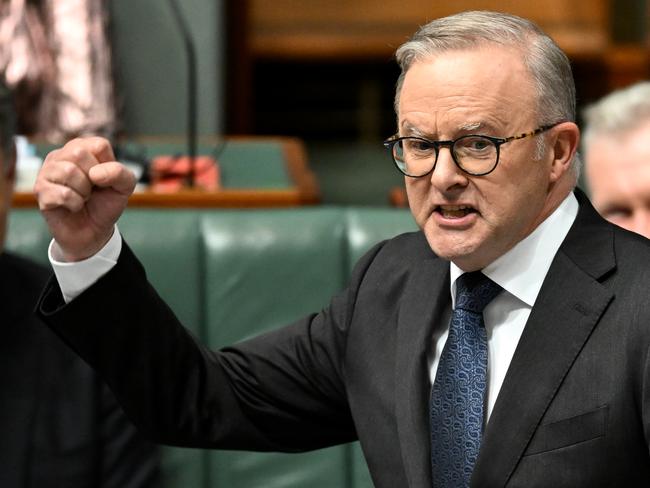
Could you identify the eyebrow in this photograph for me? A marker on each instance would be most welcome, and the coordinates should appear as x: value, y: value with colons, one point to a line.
x: 470, y: 126
x: 413, y: 131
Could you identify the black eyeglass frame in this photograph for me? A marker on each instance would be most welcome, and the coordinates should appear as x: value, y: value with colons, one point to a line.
x: 497, y: 141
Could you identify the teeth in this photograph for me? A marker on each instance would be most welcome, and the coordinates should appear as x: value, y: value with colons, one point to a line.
x: 454, y: 207
x: 454, y: 211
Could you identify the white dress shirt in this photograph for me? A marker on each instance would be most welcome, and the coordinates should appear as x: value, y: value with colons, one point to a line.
x: 74, y: 278
x: 520, y: 272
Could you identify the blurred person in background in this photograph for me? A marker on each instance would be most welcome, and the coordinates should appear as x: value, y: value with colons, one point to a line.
x: 61, y: 427
x: 616, y: 147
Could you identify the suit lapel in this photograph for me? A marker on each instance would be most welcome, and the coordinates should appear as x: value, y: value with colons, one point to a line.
x: 567, y: 309
x: 426, y: 303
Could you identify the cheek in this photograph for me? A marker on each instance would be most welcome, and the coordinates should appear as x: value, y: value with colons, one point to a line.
x: 525, y: 208
x: 510, y: 205
x: 417, y: 192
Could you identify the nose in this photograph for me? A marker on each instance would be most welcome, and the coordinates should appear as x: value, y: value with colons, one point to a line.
x: 447, y: 175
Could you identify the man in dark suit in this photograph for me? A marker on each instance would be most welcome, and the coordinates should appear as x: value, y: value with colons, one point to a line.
x: 550, y: 378
x: 61, y: 427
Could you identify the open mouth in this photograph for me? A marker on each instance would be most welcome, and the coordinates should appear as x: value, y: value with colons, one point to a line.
x: 454, y: 211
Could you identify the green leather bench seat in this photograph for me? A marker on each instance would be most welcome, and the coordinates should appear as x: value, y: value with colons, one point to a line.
x: 232, y: 274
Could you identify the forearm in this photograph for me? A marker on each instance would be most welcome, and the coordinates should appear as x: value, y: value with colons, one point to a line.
x: 155, y: 367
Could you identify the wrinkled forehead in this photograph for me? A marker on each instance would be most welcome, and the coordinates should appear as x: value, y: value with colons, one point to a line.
x: 473, y: 87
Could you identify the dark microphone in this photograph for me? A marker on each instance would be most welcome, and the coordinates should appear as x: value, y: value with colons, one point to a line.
x: 190, y: 54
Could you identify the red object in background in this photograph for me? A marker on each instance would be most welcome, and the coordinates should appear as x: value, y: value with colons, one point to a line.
x: 169, y: 174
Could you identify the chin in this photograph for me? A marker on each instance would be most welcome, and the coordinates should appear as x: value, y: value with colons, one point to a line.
x: 451, y: 251
x: 463, y: 254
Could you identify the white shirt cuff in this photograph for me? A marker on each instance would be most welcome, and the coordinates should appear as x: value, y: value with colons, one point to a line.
x: 74, y: 278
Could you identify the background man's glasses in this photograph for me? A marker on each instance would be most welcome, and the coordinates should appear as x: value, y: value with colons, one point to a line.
x: 476, y: 155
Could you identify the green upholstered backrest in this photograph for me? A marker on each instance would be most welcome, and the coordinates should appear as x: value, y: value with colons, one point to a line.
x: 230, y: 274
x: 27, y: 234
x: 265, y: 269
x: 367, y: 226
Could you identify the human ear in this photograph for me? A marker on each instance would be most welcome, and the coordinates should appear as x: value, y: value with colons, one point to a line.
x: 564, y: 140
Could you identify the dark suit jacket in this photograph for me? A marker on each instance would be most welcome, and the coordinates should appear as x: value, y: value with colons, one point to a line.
x: 574, y: 410
x: 59, y: 426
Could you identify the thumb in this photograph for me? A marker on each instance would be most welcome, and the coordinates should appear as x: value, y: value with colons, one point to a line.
x: 113, y: 175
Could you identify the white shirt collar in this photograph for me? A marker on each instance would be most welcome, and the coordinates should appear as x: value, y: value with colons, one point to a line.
x: 521, y: 271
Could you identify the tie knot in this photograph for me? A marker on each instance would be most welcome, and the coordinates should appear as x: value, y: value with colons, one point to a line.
x: 474, y: 291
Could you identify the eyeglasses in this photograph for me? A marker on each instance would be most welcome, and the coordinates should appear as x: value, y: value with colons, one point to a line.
x: 476, y: 155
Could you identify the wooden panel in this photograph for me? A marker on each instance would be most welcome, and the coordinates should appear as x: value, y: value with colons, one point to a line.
x: 626, y: 65
x: 367, y: 28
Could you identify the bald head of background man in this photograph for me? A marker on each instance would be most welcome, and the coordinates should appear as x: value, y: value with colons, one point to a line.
x: 616, y: 147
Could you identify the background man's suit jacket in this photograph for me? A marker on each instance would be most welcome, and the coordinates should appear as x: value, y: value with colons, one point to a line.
x: 60, y: 426
x: 574, y: 410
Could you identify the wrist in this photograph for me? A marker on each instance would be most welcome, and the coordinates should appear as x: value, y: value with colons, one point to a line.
x: 68, y: 254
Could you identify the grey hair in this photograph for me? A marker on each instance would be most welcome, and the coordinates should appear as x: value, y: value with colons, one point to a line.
x: 7, y: 124
x: 618, y: 112
x: 549, y: 67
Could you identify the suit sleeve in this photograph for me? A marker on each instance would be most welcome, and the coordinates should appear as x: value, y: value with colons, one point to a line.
x: 282, y: 391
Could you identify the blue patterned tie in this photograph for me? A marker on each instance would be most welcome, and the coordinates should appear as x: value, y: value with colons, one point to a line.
x: 459, y: 388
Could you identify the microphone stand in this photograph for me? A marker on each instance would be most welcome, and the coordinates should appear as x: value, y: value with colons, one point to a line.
x: 190, y: 53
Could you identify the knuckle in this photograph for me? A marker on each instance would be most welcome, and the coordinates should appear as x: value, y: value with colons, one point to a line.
x: 52, y: 156
x: 75, y: 204
x: 95, y: 143
x: 72, y: 143
x: 68, y: 169
x: 68, y: 199
x: 100, y: 143
x: 65, y: 193
x: 47, y: 205
x: 47, y: 201
x: 78, y: 153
